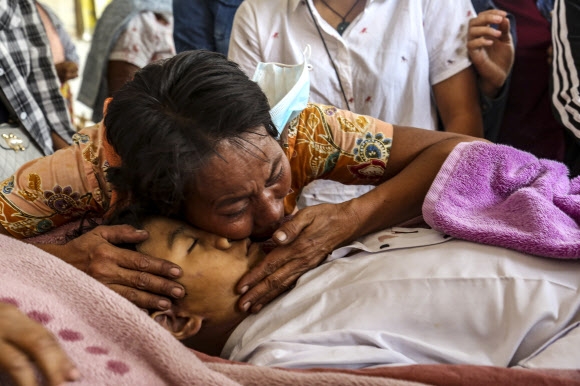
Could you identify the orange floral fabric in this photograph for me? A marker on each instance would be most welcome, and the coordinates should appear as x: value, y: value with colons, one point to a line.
x: 322, y: 143
x: 57, y: 189
x: 326, y: 143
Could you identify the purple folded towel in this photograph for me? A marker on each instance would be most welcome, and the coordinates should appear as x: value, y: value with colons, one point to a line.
x: 498, y: 195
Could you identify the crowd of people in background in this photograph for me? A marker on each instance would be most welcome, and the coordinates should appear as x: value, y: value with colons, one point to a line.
x: 509, y: 83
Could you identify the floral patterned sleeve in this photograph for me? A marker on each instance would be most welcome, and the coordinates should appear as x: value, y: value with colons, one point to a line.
x: 57, y: 189
x: 327, y: 143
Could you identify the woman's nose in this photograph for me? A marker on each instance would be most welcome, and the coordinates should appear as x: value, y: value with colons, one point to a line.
x: 269, y: 213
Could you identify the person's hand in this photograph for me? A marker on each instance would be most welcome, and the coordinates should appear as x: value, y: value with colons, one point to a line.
x: 67, y: 71
x: 24, y: 342
x: 133, y: 275
x: 491, y: 50
x: 309, y: 237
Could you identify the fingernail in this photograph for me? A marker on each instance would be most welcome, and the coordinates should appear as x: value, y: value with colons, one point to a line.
x: 280, y: 236
x: 497, y: 19
x: 177, y: 292
x: 140, y: 230
x: 164, y: 304
x: 257, y: 308
x: 246, y: 306
x: 175, y: 272
x: 244, y: 289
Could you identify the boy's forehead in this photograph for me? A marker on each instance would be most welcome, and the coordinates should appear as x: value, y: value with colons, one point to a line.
x: 168, y: 228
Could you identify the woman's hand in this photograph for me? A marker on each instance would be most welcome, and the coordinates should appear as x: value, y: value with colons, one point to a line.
x: 303, y: 243
x: 24, y: 342
x: 133, y: 275
x: 491, y: 50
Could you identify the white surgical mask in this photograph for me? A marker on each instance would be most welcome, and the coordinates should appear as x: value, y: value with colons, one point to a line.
x: 287, y: 88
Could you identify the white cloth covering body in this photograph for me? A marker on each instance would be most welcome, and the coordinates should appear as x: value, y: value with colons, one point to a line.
x: 456, y: 302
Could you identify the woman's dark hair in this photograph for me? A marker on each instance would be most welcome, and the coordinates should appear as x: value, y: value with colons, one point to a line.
x: 166, y: 122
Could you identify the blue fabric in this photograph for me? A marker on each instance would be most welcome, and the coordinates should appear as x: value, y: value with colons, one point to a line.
x: 110, y: 25
x: 546, y: 7
x: 203, y: 24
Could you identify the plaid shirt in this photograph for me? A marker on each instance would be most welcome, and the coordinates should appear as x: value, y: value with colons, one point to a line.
x: 27, y: 74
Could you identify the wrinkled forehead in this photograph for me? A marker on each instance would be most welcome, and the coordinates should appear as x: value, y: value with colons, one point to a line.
x: 251, y: 141
x: 237, y: 156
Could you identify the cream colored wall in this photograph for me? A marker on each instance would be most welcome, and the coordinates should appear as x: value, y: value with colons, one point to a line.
x: 65, y: 9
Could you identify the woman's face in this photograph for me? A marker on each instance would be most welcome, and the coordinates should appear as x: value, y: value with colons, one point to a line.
x: 240, y: 192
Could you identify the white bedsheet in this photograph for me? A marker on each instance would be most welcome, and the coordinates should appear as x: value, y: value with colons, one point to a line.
x: 452, y: 302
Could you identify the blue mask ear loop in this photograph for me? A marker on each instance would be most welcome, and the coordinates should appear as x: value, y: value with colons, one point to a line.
x: 282, y: 137
x: 329, y: 56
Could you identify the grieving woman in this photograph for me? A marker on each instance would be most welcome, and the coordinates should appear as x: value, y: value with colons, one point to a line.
x: 192, y: 137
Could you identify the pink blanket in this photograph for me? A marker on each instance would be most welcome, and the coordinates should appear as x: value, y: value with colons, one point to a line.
x: 498, y: 195
x: 114, y: 343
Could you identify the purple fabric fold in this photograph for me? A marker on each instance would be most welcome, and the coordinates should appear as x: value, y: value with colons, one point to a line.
x: 498, y: 195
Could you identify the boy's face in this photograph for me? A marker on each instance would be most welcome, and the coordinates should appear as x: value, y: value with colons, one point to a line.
x: 212, y: 265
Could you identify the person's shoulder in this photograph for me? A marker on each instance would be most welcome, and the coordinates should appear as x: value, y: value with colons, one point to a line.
x: 87, y: 134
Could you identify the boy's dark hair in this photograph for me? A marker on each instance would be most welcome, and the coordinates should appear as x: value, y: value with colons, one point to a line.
x: 166, y: 122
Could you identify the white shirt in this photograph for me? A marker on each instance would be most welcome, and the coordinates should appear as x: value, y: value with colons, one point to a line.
x: 145, y: 39
x: 454, y: 302
x: 388, y: 58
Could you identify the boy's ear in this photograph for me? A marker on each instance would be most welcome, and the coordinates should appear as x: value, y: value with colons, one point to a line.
x: 180, y: 326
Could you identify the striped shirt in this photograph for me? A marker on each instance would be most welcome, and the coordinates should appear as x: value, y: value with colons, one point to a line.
x: 566, y: 65
x: 28, y: 78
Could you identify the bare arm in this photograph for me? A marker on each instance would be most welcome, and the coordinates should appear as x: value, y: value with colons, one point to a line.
x: 458, y: 104
x: 118, y: 73
x: 415, y: 161
x: 147, y: 282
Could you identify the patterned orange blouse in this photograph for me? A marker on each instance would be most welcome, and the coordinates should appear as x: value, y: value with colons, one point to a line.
x: 322, y: 143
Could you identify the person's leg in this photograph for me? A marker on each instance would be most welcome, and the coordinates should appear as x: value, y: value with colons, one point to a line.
x: 193, y: 25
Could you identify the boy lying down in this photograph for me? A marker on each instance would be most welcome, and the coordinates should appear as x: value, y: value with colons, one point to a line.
x: 449, y: 302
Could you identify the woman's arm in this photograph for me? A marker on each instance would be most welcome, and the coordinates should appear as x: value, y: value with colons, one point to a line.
x: 458, y: 104
x: 57, y: 189
x: 305, y: 240
x: 119, y: 73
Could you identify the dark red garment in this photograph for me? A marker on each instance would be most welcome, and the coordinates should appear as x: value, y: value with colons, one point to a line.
x: 529, y: 123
